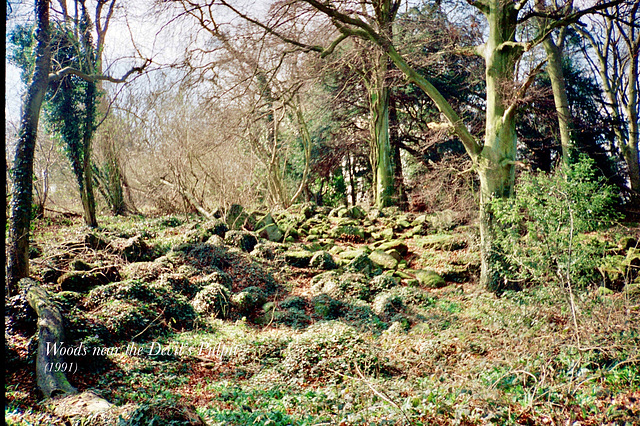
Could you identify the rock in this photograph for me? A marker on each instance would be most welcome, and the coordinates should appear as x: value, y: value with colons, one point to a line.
x: 444, y: 220
x: 144, y: 271
x: 237, y: 218
x: 244, y: 240
x: 249, y: 299
x: 398, y: 245
x: 374, y: 214
x: 298, y: 258
x: 323, y: 260
x: 179, y: 283
x: 271, y: 232
x: 212, y: 299
x: 361, y: 263
x: 350, y: 254
x: 382, y: 259
x: 403, y: 224
x: 82, y: 281
x: 326, y: 307
x: 217, y: 277
x: 356, y: 212
x: 95, y: 241
x: 445, y: 242
x: 216, y: 240
x: 430, y: 279
x: 214, y: 227
x: 387, y: 234
x: 132, y: 249
x: 387, y: 304
x: 294, y: 302
x: 268, y: 229
x: 381, y: 283
x: 348, y: 233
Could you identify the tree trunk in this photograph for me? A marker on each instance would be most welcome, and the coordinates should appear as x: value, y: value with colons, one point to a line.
x: 86, y: 190
x: 400, y: 192
x: 379, y: 122
x: 496, y: 163
x: 558, y: 85
x: 50, y: 337
x: 22, y: 174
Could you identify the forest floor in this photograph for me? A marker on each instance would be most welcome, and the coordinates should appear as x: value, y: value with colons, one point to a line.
x: 359, y: 318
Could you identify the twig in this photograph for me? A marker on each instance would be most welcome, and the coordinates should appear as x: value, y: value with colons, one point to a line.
x: 149, y: 325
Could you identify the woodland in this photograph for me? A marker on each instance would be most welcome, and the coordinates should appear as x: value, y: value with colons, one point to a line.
x: 321, y: 212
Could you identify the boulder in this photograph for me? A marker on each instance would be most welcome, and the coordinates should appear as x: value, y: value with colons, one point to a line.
x: 323, y: 260
x: 249, y: 299
x: 430, y: 279
x: 213, y: 299
x: 244, y: 240
x: 399, y: 245
x: 298, y: 258
x: 382, y: 259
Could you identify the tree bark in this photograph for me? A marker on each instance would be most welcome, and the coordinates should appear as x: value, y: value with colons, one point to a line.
x: 558, y: 85
x: 22, y: 173
x: 496, y: 163
x: 379, y: 123
x: 50, y: 334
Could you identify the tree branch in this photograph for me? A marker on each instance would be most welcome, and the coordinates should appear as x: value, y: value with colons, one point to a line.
x: 96, y: 77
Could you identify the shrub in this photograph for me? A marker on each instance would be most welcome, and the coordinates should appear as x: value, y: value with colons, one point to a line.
x: 540, y: 227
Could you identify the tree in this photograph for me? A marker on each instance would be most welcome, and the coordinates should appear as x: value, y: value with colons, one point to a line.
x: 494, y: 158
x: 22, y: 173
x: 22, y: 188
x: 615, y: 41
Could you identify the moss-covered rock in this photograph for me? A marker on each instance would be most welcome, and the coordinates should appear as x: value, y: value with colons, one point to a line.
x: 362, y: 264
x: 445, y: 242
x: 237, y: 217
x: 430, y: 279
x: 329, y: 347
x: 387, y: 304
x: 399, y: 245
x: 244, y: 240
x: 294, y: 302
x: 339, y: 285
x: 214, y: 299
x: 180, y: 284
x: 80, y: 265
x: 145, y: 271
x: 83, y: 281
x: 383, y: 260
x: 217, y: 277
x: 326, y: 307
x: 323, y: 260
x: 382, y: 282
x: 298, y: 258
x: 132, y: 249
x: 249, y: 299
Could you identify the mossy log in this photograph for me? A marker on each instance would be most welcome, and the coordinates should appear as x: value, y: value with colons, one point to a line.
x: 50, y: 331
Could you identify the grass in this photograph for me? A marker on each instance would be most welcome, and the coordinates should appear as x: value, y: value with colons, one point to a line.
x: 466, y: 357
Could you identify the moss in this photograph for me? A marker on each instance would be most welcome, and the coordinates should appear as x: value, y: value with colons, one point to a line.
x: 430, y: 279
x: 298, y: 258
x: 214, y: 299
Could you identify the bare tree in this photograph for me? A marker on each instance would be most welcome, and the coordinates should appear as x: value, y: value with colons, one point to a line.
x: 614, y: 39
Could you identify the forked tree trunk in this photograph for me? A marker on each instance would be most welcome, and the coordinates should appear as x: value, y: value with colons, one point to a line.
x: 22, y: 173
